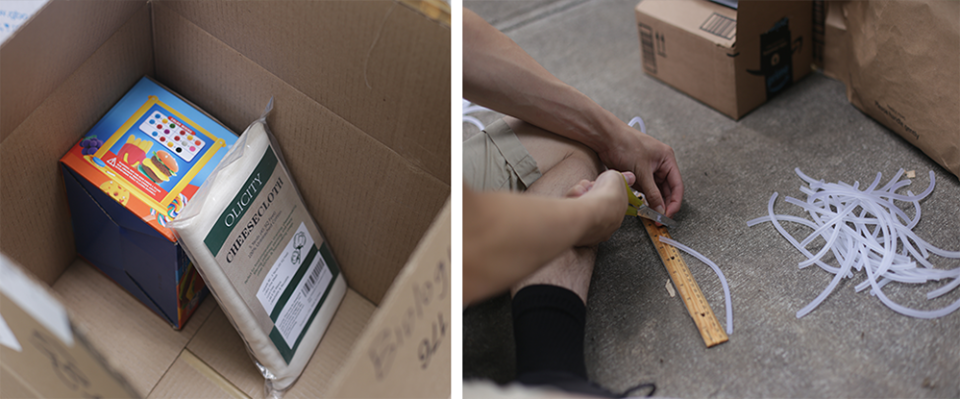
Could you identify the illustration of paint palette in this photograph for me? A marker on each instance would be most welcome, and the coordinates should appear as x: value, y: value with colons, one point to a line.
x: 173, y: 135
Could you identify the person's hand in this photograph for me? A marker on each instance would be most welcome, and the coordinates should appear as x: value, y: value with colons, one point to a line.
x: 604, y: 202
x: 654, y: 164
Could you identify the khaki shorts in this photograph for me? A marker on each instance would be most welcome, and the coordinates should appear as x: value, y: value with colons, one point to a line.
x: 495, y: 160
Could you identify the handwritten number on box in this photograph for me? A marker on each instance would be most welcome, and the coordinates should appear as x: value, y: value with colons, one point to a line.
x: 63, y: 364
x: 389, y: 340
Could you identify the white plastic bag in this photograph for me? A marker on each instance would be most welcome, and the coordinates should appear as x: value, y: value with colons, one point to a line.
x: 259, y: 250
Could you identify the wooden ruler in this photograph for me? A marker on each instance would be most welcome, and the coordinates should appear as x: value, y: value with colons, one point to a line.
x: 693, y: 298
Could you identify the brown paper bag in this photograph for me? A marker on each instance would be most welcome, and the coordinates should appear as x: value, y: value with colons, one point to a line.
x: 900, y: 61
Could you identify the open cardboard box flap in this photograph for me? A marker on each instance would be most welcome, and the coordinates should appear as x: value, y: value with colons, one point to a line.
x: 362, y: 116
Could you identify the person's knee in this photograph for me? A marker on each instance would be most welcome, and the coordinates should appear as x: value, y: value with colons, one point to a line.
x: 586, y: 158
x: 550, y: 149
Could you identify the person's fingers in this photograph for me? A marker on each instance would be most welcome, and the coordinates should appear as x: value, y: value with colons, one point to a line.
x: 654, y: 165
x: 631, y: 178
x: 579, y: 189
x: 610, y: 183
x: 652, y: 193
x: 676, y: 192
x: 611, y: 178
x: 671, y: 189
x: 584, y: 186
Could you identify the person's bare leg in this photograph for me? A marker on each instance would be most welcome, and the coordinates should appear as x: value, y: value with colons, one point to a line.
x: 549, y: 306
x: 563, y: 163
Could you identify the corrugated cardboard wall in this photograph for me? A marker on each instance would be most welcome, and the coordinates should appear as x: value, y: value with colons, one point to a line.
x: 12, y: 386
x: 378, y: 64
x: 71, y: 31
x: 408, y: 338
x: 35, y: 229
x: 372, y: 202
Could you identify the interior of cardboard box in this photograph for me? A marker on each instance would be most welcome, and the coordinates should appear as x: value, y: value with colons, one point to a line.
x: 56, y: 60
x: 36, y: 226
x: 188, y: 378
x: 161, y: 362
x: 361, y: 114
x: 218, y: 346
x: 345, y: 172
x: 376, y: 54
x: 122, y: 328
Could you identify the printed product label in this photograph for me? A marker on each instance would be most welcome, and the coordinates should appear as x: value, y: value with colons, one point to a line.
x: 289, y: 290
x: 271, y: 250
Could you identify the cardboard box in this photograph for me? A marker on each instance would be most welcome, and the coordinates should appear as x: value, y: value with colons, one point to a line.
x: 730, y: 59
x: 127, y: 177
x: 39, y: 341
x: 834, y: 53
x: 362, y: 115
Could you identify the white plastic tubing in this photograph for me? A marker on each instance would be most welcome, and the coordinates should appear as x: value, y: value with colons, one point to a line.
x: 638, y: 121
x: 469, y: 108
x: 863, y: 229
x: 723, y: 280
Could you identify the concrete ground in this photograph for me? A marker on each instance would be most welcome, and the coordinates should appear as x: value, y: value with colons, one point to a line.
x: 851, y: 346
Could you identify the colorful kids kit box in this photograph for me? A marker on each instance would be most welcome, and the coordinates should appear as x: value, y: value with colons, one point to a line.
x: 131, y: 174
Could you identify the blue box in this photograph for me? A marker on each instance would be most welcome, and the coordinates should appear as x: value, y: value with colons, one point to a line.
x: 127, y: 177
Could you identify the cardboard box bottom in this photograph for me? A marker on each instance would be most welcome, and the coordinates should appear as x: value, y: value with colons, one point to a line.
x: 207, y: 357
x: 189, y: 377
x: 139, y: 344
x: 218, y: 346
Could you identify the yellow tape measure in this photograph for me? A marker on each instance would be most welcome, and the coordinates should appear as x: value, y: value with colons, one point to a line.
x: 693, y: 298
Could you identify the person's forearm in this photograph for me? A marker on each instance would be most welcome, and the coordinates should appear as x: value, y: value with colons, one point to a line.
x: 508, y: 236
x: 499, y: 75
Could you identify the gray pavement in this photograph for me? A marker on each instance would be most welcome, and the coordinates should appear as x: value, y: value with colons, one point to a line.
x: 850, y: 346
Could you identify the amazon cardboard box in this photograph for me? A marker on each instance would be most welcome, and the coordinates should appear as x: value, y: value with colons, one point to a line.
x: 731, y: 59
x: 362, y: 114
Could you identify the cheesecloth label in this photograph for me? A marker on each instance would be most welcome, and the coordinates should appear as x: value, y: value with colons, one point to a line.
x: 272, y: 257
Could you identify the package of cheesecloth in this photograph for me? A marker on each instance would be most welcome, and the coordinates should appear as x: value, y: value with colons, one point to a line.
x: 261, y: 253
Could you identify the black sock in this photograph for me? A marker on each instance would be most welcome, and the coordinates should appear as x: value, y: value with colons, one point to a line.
x: 548, y: 327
